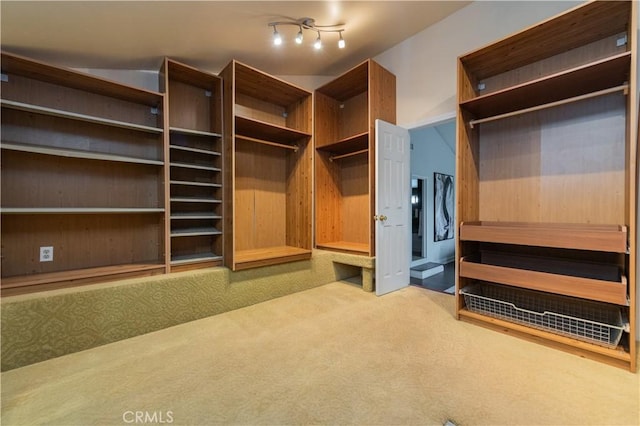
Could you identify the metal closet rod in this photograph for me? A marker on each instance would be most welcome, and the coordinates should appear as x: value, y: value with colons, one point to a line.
x: 279, y: 145
x: 337, y: 157
x: 622, y: 88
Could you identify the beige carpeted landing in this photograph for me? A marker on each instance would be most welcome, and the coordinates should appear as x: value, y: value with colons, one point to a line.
x: 329, y: 355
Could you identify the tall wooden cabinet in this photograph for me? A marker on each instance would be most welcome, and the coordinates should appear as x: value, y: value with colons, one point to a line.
x: 194, y: 181
x: 546, y: 190
x: 82, y: 177
x: 268, y: 153
x: 345, y: 113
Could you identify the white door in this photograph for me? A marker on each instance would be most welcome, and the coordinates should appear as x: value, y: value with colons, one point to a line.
x: 392, y: 213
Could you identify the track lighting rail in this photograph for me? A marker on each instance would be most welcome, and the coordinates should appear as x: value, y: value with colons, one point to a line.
x: 307, y: 24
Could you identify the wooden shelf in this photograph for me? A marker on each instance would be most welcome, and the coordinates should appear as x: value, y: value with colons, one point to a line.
x: 194, y: 190
x: 577, y: 27
x: 347, y: 145
x: 268, y: 162
x: 195, y: 166
x: 345, y: 246
x: 78, y: 210
x: 194, y: 215
x: 190, y: 132
x: 74, y: 153
x: 80, y: 275
x: 608, y: 238
x: 194, y: 200
x: 599, y: 75
x: 568, y: 344
x: 346, y: 109
x: 564, y: 151
x: 20, y: 106
x: 83, y: 170
x: 350, y: 84
x: 15, y: 64
x: 584, y: 288
x: 196, y: 150
x: 265, y: 87
x: 266, y: 131
x: 194, y: 183
x: 246, y: 259
x: 194, y: 258
x: 193, y: 232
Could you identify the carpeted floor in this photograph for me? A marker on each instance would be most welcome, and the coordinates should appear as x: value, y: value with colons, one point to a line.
x: 329, y: 355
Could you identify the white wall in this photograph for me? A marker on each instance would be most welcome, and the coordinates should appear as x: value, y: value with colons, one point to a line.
x: 425, y: 64
x: 434, y: 151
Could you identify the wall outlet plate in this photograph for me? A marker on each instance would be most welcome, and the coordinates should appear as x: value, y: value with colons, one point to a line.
x: 46, y: 254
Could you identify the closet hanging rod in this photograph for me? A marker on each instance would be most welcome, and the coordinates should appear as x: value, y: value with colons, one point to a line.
x: 624, y: 88
x: 279, y: 145
x: 337, y: 157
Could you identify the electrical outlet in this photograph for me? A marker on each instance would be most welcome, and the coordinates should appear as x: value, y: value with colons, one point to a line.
x: 46, y: 254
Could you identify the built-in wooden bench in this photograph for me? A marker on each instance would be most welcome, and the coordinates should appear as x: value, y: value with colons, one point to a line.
x: 367, y: 265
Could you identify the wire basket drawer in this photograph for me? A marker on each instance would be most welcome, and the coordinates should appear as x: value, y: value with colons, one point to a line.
x: 593, y: 322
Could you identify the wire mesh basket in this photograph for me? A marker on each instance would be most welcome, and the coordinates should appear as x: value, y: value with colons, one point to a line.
x: 593, y: 322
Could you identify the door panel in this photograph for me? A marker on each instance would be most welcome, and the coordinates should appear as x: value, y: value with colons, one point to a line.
x: 392, y: 213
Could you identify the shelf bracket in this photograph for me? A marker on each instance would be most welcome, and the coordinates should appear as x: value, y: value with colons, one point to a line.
x: 4, y: 77
x: 154, y: 111
x: 207, y: 93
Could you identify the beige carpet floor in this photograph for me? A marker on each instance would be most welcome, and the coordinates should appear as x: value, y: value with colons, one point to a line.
x: 330, y: 355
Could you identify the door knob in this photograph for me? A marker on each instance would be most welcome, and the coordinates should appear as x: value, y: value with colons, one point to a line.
x: 380, y: 217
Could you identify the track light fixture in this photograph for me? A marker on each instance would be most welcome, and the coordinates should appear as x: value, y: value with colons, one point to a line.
x: 277, y: 40
x: 299, y: 37
x: 318, y: 43
x: 308, y: 24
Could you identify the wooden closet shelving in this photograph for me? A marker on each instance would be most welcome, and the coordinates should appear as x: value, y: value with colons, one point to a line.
x: 195, y: 147
x: 345, y: 112
x: 268, y: 134
x: 82, y: 172
x: 546, y: 169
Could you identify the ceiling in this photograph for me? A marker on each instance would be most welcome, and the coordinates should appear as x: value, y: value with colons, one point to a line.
x: 208, y: 34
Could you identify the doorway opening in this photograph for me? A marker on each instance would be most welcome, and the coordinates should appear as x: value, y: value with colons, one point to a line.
x: 418, y: 247
x: 432, y: 156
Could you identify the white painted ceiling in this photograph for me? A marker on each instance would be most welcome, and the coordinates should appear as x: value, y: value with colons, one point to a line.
x: 208, y: 34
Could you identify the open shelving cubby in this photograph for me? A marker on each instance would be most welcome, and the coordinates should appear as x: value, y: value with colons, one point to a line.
x: 345, y: 112
x: 82, y: 172
x: 546, y: 167
x: 268, y: 126
x: 195, y: 147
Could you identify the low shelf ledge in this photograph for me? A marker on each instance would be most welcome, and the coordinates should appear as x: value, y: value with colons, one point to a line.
x: 607, y: 238
x: 97, y: 274
x: 617, y: 357
x: 252, y: 258
x: 584, y: 288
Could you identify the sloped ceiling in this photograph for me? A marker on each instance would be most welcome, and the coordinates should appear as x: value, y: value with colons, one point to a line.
x: 208, y: 34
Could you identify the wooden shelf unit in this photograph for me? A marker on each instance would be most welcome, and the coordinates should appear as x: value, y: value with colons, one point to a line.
x: 82, y: 171
x: 345, y: 112
x: 194, y: 181
x: 268, y: 155
x: 546, y: 167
